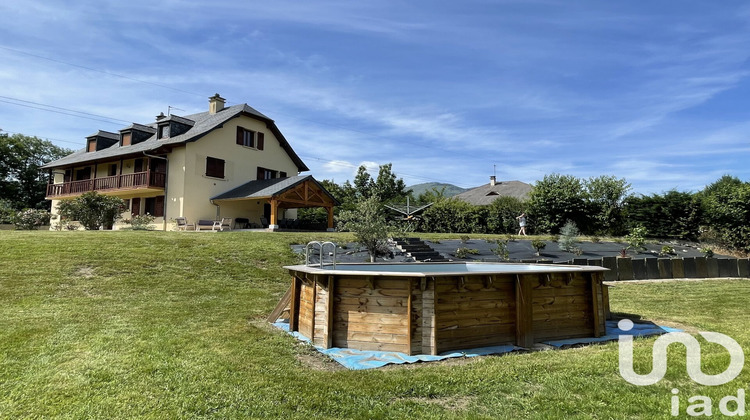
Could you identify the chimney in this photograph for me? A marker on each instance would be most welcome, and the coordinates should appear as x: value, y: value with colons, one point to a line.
x: 161, y: 116
x: 215, y: 104
x: 492, y: 180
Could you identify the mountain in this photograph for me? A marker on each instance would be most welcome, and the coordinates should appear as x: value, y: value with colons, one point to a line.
x: 450, y: 189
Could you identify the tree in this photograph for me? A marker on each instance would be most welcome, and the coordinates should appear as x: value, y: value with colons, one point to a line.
x: 673, y: 214
x: 388, y: 187
x: 21, y: 179
x: 556, y: 199
x: 502, y: 214
x: 727, y: 212
x: 606, y: 195
x: 92, y: 210
x: 369, y: 225
x: 363, y: 183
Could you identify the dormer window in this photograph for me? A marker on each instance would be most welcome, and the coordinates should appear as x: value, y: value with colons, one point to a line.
x: 250, y: 138
x: 126, y: 137
x: 100, y: 140
x: 164, y: 131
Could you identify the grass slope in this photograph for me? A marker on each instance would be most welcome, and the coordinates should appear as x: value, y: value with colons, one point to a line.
x: 165, y: 325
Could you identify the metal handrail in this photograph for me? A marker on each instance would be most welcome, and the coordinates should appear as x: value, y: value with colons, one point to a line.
x: 321, y: 245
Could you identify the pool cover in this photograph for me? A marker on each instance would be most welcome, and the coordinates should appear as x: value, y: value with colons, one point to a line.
x: 364, y: 359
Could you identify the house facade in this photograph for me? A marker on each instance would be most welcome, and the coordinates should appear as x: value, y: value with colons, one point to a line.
x: 176, y: 166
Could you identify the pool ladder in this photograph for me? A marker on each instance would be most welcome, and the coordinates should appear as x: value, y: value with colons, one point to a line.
x: 310, y: 245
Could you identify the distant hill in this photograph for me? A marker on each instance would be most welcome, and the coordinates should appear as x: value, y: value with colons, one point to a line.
x: 450, y: 189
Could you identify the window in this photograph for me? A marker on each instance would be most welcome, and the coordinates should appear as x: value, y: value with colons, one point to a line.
x: 163, y: 131
x: 112, y: 171
x: 264, y: 173
x: 135, y: 206
x: 155, y: 206
x: 214, y: 167
x: 91, y: 146
x: 249, y: 138
x: 126, y: 139
x: 282, y: 174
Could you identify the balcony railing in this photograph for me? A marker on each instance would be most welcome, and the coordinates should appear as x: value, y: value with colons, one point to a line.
x: 136, y: 180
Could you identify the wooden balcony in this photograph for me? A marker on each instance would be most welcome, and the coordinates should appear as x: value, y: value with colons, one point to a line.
x: 111, y: 184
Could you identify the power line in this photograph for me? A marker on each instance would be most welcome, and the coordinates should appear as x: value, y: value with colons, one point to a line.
x: 70, y: 113
x: 63, y: 109
x: 43, y: 138
x: 109, y: 73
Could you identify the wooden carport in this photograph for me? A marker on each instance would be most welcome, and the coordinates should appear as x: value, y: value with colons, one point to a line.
x: 284, y: 193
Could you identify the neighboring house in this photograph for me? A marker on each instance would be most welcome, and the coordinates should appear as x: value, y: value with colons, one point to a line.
x: 487, y: 193
x: 227, y: 162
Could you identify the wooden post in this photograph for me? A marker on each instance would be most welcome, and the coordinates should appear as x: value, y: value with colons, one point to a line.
x: 274, y: 211
x: 524, y: 311
x: 329, y: 314
x: 429, y: 341
x: 605, y: 299
x: 312, y: 321
x: 408, y: 317
x: 329, y: 210
x: 294, y: 305
x: 595, y: 305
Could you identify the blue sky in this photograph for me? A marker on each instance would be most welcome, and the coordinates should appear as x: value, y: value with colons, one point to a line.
x: 654, y: 92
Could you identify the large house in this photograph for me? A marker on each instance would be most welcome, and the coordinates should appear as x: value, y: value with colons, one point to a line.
x: 485, y: 194
x: 228, y: 162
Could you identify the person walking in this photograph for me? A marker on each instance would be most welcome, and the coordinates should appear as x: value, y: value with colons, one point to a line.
x: 522, y: 222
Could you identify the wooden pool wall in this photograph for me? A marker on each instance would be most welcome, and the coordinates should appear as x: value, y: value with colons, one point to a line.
x: 431, y: 315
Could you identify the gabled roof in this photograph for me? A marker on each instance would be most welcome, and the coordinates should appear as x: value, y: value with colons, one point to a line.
x: 205, y: 122
x: 486, y: 194
x: 264, y: 188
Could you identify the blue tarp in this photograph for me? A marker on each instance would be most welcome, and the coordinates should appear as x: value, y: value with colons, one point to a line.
x: 363, y: 359
x: 643, y: 329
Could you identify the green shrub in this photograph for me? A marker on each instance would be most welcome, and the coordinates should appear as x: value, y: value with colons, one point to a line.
x: 464, y: 239
x: 92, y: 210
x: 667, y: 250
x: 707, y: 251
x: 568, y: 237
x: 502, y: 250
x: 7, y: 212
x: 636, y: 239
x: 30, y: 219
x: 539, y: 245
x: 464, y: 252
x: 141, y: 222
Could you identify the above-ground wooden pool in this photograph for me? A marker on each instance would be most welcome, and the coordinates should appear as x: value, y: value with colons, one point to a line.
x: 433, y: 308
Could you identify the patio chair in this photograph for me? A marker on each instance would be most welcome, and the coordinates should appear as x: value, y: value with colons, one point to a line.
x: 182, y: 224
x: 243, y: 222
x: 224, y: 223
x: 264, y: 222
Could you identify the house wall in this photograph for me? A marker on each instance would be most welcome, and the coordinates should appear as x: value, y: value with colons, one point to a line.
x: 241, y: 166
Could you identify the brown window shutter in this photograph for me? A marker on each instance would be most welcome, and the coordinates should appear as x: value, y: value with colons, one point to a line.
x: 261, y: 173
x: 159, y: 206
x: 240, y: 136
x: 261, y: 136
x: 136, y: 206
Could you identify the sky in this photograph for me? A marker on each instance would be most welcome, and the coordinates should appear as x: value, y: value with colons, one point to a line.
x: 654, y: 92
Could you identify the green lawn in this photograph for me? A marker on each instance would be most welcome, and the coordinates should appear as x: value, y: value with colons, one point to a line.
x: 171, y: 325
